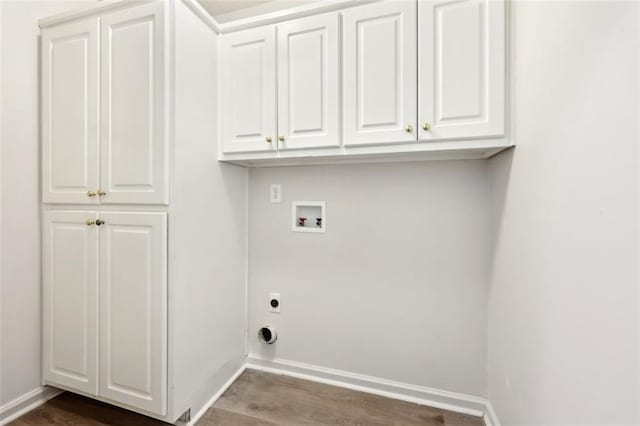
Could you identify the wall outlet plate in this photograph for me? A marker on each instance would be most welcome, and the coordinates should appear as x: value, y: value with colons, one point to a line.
x: 274, y: 302
x: 275, y: 193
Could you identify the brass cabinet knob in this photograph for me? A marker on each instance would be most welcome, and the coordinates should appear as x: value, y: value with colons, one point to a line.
x: 426, y: 127
x: 409, y: 128
x: 281, y: 138
x: 268, y: 139
x: 101, y: 193
x: 91, y: 194
x: 90, y: 222
x: 100, y: 222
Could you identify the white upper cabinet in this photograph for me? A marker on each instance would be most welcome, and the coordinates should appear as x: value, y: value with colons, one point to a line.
x: 410, y: 71
x: 249, y: 90
x: 70, y: 140
x: 133, y: 309
x: 309, y: 82
x: 134, y: 142
x: 380, y: 105
x: 461, y: 69
x: 70, y: 299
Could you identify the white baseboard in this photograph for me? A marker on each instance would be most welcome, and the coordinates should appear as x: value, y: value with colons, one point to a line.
x: 446, y: 400
x: 27, y: 402
x: 215, y: 397
x: 490, y: 417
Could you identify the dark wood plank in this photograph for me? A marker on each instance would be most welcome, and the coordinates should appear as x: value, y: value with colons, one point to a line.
x: 70, y: 410
x: 220, y: 417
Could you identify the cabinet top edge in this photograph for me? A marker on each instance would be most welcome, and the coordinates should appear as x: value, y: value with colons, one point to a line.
x: 298, y: 12
x: 227, y: 27
x: 85, y: 11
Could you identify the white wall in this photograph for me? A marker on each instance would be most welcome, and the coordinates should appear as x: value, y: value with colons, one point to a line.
x: 563, y: 313
x: 19, y: 192
x: 397, y: 286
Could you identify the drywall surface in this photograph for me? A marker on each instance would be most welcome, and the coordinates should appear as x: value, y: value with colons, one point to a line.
x: 19, y: 192
x: 396, y: 287
x: 563, y: 311
x: 208, y: 229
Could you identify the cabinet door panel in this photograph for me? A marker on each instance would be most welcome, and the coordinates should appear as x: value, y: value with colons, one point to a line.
x: 70, y: 300
x: 461, y: 68
x: 380, y: 82
x: 309, y: 82
x: 70, y: 67
x: 134, y: 151
x: 249, y: 90
x: 133, y: 310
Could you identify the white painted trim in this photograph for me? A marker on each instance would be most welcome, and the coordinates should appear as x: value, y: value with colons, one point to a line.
x: 304, y: 159
x: 288, y: 14
x: 446, y: 400
x: 109, y: 5
x: 236, y: 25
x: 201, y: 13
x: 1, y: 189
x: 216, y: 396
x: 246, y: 257
x: 27, y: 402
x: 490, y: 417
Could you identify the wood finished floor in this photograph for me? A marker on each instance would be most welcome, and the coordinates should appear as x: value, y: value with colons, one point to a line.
x: 261, y: 399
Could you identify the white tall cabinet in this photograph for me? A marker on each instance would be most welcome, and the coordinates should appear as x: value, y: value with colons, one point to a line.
x: 119, y: 284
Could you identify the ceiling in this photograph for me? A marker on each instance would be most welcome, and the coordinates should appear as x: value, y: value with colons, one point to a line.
x: 220, y: 7
x: 230, y: 10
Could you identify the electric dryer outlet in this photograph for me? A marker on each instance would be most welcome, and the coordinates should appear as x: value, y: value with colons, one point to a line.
x: 274, y: 302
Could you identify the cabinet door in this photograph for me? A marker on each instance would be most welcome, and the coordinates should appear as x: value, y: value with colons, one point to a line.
x: 461, y: 68
x: 249, y: 90
x: 70, y: 300
x: 70, y: 66
x: 134, y: 148
x: 309, y: 82
x: 380, y: 82
x: 133, y: 309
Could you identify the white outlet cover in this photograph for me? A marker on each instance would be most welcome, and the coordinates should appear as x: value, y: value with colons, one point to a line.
x: 277, y: 297
x: 275, y: 193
